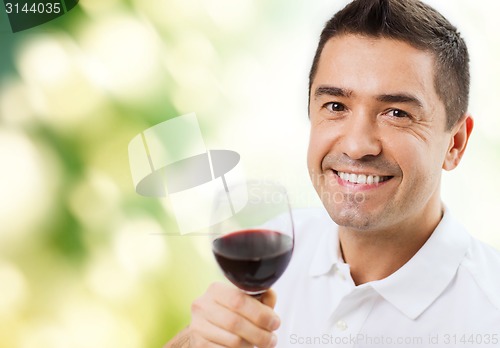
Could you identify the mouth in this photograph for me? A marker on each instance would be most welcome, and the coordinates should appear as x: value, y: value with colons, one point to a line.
x: 364, y: 179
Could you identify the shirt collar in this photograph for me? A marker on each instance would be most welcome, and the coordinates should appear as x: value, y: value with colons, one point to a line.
x: 421, y: 280
x: 328, y: 251
x: 425, y: 276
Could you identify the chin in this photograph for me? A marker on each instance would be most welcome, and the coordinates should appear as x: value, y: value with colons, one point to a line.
x: 354, y: 217
x: 354, y: 222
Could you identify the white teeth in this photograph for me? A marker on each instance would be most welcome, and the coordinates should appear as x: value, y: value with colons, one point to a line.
x: 353, y: 178
x: 362, y: 178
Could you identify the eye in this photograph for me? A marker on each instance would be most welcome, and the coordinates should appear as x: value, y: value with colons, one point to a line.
x: 334, y: 107
x: 397, y: 113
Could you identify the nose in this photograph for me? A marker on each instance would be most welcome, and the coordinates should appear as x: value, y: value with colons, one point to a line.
x: 360, y: 137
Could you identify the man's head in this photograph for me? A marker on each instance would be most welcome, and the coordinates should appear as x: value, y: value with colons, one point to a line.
x: 387, y: 114
x: 420, y: 26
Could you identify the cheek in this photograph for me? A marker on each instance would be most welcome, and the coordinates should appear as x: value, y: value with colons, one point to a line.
x: 318, y: 148
x: 421, y: 166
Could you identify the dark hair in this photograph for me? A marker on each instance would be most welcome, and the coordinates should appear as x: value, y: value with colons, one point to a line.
x: 419, y: 25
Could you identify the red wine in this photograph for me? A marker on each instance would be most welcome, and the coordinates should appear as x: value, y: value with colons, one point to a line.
x: 253, y: 259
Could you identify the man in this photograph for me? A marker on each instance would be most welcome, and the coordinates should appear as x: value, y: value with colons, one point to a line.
x: 388, y: 99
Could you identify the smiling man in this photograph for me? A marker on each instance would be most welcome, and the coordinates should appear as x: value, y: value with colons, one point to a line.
x: 379, y: 130
x: 385, y: 264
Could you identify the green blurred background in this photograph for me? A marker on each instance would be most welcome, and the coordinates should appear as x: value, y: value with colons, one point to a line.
x: 84, y: 261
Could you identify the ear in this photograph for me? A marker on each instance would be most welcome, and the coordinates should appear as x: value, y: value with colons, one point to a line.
x: 459, y: 137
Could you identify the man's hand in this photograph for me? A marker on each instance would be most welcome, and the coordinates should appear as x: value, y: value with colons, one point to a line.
x: 226, y: 317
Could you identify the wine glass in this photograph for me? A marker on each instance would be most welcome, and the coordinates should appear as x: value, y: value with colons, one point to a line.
x: 254, y: 245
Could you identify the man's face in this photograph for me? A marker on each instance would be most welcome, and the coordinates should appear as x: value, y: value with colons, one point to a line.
x: 378, y: 138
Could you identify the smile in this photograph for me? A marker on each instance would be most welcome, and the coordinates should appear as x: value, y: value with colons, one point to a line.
x: 368, y: 179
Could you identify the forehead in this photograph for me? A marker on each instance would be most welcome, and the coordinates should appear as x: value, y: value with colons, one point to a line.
x: 372, y: 65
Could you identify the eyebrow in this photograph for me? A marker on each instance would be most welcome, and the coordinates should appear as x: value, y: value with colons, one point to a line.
x: 385, y: 98
x: 400, y: 98
x: 332, y: 91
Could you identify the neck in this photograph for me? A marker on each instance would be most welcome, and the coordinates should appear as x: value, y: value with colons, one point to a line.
x: 374, y: 255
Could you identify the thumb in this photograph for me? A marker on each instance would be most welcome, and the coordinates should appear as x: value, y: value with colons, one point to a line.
x: 269, y: 298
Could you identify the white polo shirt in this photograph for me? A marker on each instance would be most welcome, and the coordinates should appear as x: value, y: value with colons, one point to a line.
x: 447, y: 295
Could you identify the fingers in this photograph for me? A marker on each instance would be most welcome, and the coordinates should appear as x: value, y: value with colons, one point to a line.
x: 206, y: 334
x: 239, y: 325
x: 246, y: 306
x: 225, y: 316
x: 269, y: 298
